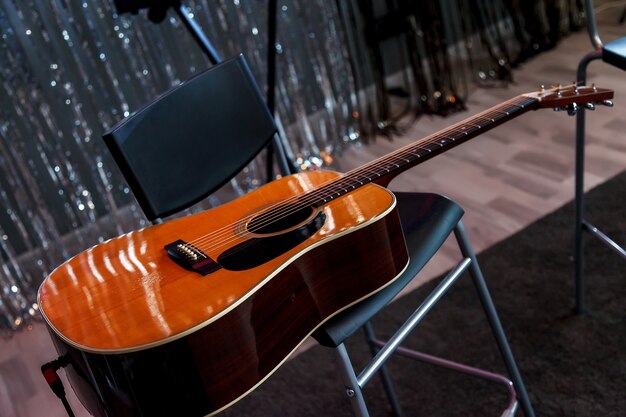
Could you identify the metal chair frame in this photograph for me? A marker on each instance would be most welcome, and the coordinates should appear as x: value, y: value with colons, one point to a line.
x: 382, y: 350
x: 582, y: 225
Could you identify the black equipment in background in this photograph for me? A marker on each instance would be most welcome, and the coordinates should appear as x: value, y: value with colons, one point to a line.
x: 157, y: 10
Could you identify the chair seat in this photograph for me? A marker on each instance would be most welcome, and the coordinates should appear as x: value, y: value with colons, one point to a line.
x: 614, y: 53
x: 427, y: 220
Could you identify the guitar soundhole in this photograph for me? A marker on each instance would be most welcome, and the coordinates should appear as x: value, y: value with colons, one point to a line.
x: 280, y: 219
x: 274, y: 232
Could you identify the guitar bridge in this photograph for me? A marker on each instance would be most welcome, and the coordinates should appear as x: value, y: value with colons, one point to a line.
x: 191, y: 258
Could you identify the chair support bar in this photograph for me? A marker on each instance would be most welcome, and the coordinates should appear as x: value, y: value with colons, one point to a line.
x: 459, y: 367
x: 604, y: 238
x: 394, y: 342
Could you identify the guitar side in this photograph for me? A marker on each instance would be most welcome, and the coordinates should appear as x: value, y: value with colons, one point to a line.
x: 198, y: 365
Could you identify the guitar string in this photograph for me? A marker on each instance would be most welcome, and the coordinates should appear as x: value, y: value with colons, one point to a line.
x: 246, y: 243
x: 321, y: 191
x: 213, y: 251
x: 339, y: 185
x: 236, y: 244
x: 409, y: 147
x: 346, y: 188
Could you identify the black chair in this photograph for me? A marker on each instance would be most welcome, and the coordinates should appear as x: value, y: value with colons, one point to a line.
x: 194, y: 138
x: 612, y: 53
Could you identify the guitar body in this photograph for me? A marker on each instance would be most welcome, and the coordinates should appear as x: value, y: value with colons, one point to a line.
x: 145, y: 336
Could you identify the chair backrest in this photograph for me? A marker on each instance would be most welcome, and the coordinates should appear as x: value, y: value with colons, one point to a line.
x: 192, y: 139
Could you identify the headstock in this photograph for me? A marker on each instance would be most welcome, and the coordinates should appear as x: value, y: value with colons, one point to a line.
x: 572, y: 97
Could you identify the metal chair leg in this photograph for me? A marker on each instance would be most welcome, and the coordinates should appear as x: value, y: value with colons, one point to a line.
x: 383, y: 349
x: 384, y: 372
x: 494, y: 321
x: 579, y: 253
x: 579, y: 261
x: 353, y: 389
x: 354, y: 383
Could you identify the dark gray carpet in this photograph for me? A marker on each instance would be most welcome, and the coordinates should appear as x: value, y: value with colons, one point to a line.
x: 572, y: 365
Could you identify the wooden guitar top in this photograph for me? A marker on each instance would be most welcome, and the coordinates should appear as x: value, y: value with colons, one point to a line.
x: 126, y: 294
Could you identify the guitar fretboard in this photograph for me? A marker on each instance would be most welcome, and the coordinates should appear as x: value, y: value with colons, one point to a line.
x: 419, y: 151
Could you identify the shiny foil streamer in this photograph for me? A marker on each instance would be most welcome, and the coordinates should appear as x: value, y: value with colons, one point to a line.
x: 70, y: 69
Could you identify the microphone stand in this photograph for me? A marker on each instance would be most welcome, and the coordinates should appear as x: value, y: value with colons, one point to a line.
x: 157, y: 10
x: 192, y: 26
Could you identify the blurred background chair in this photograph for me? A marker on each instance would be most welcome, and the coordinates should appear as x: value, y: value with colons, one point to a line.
x: 191, y: 140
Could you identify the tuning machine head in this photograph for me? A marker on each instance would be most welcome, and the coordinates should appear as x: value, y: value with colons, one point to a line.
x: 572, y: 109
x: 607, y: 103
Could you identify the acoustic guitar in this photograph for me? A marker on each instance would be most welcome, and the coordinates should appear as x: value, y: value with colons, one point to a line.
x: 188, y: 316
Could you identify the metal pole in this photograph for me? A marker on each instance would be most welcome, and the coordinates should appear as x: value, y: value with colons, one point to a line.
x: 417, y: 316
x: 581, y: 76
x: 384, y: 373
x: 271, y: 79
x: 494, y: 321
x: 353, y: 389
x: 185, y: 16
x: 604, y: 238
x: 592, y: 27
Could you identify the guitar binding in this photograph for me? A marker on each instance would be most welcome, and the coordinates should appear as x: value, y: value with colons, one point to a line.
x: 191, y: 258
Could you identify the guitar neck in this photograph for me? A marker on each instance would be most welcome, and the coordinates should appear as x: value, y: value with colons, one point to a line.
x: 385, y: 168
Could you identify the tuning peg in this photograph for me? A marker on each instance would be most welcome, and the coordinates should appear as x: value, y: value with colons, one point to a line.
x: 607, y: 103
x: 590, y: 106
x: 559, y: 108
x: 572, y: 109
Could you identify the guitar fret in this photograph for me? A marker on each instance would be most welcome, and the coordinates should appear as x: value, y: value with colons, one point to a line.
x: 433, y: 146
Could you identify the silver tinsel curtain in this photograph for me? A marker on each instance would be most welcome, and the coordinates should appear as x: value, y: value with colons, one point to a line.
x: 69, y: 69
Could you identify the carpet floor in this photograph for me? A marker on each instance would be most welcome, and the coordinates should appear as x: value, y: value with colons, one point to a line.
x: 572, y: 365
